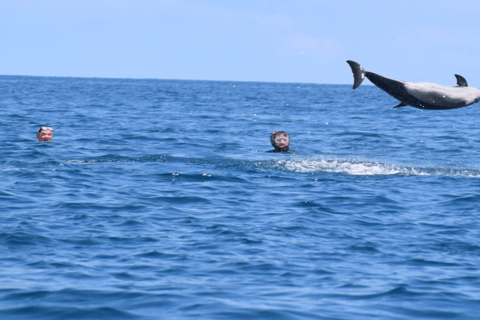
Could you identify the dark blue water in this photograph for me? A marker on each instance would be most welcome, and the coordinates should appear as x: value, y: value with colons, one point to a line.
x: 157, y: 200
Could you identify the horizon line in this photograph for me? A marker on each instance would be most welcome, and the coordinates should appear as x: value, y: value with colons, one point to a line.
x: 167, y: 79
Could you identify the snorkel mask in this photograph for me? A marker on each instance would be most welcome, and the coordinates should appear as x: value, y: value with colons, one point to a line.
x: 280, y: 140
x: 45, y: 129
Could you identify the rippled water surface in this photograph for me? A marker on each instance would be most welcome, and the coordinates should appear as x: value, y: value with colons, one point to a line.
x: 157, y: 199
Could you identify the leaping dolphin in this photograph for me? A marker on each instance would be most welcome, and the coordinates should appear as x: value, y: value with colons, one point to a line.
x: 422, y: 95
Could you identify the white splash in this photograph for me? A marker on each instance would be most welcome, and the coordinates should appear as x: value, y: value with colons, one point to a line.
x: 338, y: 166
x: 357, y: 167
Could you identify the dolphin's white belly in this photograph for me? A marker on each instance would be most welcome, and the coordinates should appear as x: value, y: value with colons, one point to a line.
x: 443, y: 96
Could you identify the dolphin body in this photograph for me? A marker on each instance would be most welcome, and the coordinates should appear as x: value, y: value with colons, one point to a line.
x: 422, y: 95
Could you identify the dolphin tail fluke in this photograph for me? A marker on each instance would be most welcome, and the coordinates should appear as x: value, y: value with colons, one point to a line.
x: 358, y: 73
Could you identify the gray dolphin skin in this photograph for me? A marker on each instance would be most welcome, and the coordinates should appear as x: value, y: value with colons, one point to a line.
x: 422, y: 95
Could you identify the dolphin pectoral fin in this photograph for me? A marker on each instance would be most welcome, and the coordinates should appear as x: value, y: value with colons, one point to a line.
x: 358, y: 73
x: 401, y: 105
x: 461, y: 82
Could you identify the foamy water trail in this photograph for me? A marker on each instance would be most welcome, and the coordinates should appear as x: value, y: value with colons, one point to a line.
x: 365, y: 167
x: 312, y: 165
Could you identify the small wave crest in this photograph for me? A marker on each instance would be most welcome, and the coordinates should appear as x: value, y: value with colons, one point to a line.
x: 307, y: 165
x: 365, y: 167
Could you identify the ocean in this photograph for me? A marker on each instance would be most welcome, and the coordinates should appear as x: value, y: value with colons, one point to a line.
x: 157, y: 199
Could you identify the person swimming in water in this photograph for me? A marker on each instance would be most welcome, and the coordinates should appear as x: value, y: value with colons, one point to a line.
x: 45, y: 134
x: 280, y: 141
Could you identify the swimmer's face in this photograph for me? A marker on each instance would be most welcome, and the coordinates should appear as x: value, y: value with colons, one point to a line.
x: 45, y: 135
x: 281, y: 140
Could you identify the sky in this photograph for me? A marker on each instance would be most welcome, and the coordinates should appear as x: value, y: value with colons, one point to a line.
x: 304, y: 41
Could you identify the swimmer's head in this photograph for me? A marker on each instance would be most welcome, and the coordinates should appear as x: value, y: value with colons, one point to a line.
x: 45, y: 134
x: 280, y: 141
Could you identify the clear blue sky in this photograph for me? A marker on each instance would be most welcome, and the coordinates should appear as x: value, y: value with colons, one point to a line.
x: 243, y: 40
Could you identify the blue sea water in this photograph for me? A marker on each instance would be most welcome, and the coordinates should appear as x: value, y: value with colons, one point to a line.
x: 157, y: 199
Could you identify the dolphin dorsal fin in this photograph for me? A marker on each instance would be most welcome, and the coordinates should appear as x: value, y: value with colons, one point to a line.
x: 461, y: 82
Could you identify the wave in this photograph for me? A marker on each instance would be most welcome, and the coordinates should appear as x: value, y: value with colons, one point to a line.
x: 307, y: 165
x: 365, y: 167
